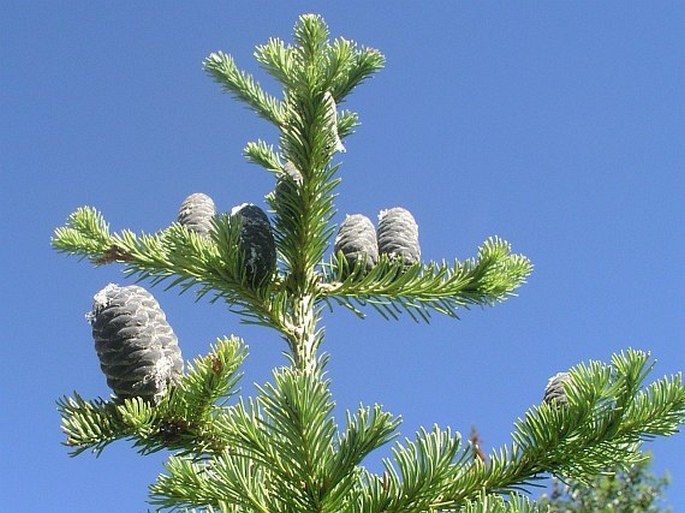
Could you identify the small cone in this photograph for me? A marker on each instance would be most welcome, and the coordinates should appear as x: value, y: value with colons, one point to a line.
x: 137, y: 348
x: 288, y: 182
x: 357, y: 240
x: 398, y: 235
x: 196, y: 213
x: 256, y: 242
x: 333, y: 110
x: 554, y: 391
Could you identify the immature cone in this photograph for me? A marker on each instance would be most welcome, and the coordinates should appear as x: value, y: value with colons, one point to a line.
x: 256, y: 242
x: 398, y: 235
x: 554, y: 391
x: 288, y: 181
x: 137, y: 348
x: 357, y: 240
x: 196, y: 213
x: 333, y: 113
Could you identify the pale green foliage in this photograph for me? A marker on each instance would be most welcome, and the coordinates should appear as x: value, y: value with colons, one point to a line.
x: 636, y: 490
x: 288, y: 438
x: 391, y: 288
x: 191, y: 260
x: 282, y: 450
x: 495, y: 504
x: 186, y: 417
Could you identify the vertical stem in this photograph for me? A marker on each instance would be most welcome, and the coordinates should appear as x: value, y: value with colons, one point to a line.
x: 304, y: 345
x: 304, y: 319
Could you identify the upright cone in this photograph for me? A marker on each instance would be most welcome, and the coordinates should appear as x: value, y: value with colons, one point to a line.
x: 356, y: 239
x: 398, y: 235
x: 137, y: 348
x: 196, y: 213
x: 288, y: 183
x: 333, y: 113
x: 554, y: 391
x: 256, y: 243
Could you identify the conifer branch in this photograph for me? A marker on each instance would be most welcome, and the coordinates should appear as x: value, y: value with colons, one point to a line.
x: 347, y: 122
x: 351, y: 66
x: 593, y: 431
x: 289, y: 440
x: 279, y: 60
x: 311, y: 38
x: 340, y: 58
x: 579, y: 439
x: 309, y: 138
x: 177, y: 256
x: 315, y: 74
x: 366, y: 431
x: 391, y: 288
x: 422, y: 470
x: 240, y: 84
x: 190, y: 484
x: 184, y: 420
x: 497, y: 504
x: 298, y: 409
x: 262, y: 154
x: 86, y: 234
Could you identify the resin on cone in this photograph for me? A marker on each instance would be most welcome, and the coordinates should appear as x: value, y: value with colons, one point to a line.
x: 137, y: 348
x: 256, y: 243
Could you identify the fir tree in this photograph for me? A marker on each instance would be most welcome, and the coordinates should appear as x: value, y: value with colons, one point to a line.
x: 282, y: 450
x: 636, y: 490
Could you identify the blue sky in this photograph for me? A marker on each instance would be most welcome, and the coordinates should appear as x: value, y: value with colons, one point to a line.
x: 558, y: 126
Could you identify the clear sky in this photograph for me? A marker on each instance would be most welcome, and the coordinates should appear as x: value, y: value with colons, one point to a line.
x: 559, y: 126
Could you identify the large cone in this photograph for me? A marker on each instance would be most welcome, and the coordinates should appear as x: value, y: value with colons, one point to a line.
x: 256, y: 242
x: 137, y: 348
